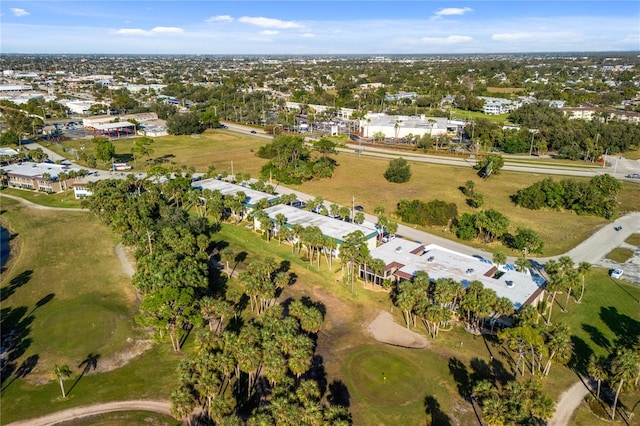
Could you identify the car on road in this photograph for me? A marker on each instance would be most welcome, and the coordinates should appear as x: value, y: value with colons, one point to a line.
x: 253, y: 131
x: 616, y: 273
x: 617, y: 228
x: 633, y: 176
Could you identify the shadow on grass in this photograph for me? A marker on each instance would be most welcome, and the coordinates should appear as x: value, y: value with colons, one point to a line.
x: 339, y: 394
x: 461, y: 376
x: 626, y: 329
x: 15, y: 326
x: 597, y: 337
x: 89, y: 363
x: 582, y: 353
x: 15, y: 283
x: 24, y: 370
x: 434, y: 411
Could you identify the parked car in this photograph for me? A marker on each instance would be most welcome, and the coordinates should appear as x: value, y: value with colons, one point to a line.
x: 359, y: 208
x: 616, y: 273
x: 388, y: 238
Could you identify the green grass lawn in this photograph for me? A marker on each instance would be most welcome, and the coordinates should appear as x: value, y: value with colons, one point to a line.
x: 66, y: 297
x: 62, y: 199
x: 633, y: 240
x: 620, y: 254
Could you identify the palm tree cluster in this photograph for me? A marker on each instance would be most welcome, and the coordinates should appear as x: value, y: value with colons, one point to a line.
x: 536, y: 345
x: 262, y: 280
x: 564, y: 277
x: 171, y: 249
x: 620, y: 371
x: 515, y: 403
x: 436, y: 302
x: 259, y: 365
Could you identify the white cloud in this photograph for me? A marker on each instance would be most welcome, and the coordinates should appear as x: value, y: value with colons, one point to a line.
x: 452, y: 39
x: 132, y: 31
x: 269, y: 22
x: 453, y: 11
x: 171, y: 30
x: 269, y: 32
x: 509, y: 37
x: 220, y: 18
x: 19, y: 12
x: 307, y: 35
x: 146, y: 33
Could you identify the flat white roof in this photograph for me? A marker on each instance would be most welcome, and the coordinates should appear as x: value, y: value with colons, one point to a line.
x: 227, y: 188
x: 440, y: 262
x: 33, y: 170
x: 110, y: 126
x: 334, y: 228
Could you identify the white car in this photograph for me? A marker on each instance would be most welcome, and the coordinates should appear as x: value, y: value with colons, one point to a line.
x: 616, y: 273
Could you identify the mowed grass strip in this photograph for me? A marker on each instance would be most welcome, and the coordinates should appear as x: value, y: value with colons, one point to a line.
x: 620, y: 254
x: 634, y: 240
x: 381, y: 377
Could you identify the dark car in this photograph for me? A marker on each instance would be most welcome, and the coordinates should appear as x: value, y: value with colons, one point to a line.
x: 359, y: 208
x: 618, y: 228
x: 253, y: 131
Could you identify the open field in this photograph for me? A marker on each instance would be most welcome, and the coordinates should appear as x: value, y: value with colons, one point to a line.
x: 218, y: 147
x: 620, y: 254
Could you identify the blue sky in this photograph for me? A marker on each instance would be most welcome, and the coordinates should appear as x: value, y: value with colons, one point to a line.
x: 317, y: 27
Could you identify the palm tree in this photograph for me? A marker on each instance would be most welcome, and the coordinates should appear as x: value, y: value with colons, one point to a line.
x: 281, y: 219
x: 227, y: 255
x: 583, y: 269
x: 522, y: 264
x: 61, y: 372
x: 625, y: 367
x: 597, y: 369
x: 499, y: 258
x: 571, y: 280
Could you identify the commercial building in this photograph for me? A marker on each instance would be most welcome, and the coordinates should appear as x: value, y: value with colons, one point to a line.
x: 400, y: 126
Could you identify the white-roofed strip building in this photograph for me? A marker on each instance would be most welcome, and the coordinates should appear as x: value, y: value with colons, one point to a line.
x: 403, y: 259
x: 333, y: 228
x: 231, y: 189
x: 400, y: 126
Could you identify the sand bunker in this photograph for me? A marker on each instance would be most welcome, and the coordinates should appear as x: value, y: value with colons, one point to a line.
x: 384, y: 329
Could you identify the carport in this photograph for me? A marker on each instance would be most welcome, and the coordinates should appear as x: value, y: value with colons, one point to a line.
x: 110, y: 130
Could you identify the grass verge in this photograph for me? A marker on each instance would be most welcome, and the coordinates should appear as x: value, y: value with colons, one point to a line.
x: 620, y: 254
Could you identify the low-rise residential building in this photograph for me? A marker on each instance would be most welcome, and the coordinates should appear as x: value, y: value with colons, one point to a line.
x: 330, y: 227
x: 36, y: 176
x: 404, y: 258
x: 253, y: 197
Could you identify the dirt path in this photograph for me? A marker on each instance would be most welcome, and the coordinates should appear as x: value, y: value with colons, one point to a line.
x: 569, y: 401
x: 40, y: 207
x: 384, y: 329
x: 162, y: 407
x: 125, y: 260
